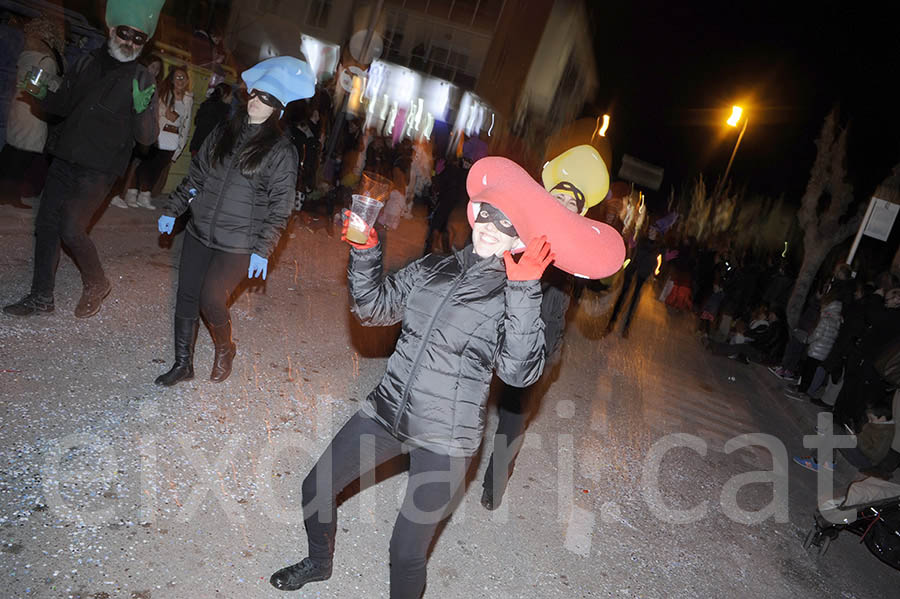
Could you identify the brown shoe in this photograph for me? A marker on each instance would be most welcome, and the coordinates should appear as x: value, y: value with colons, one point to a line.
x: 91, y: 299
x: 30, y: 304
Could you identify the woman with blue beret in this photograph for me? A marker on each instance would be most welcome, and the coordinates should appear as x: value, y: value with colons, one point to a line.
x: 240, y: 192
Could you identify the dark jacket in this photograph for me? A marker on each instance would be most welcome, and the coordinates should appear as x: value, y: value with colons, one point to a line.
x: 462, y: 319
x: 230, y: 212
x: 770, y: 341
x: 100, y: 126
x: 556, y: 289
x: 210, y: 115
x: 644, y: 257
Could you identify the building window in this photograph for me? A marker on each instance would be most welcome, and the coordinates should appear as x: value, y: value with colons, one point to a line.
x: 417, y: 57
x: 319, y: 10
x: 393, y: 37
x: 445, y: 63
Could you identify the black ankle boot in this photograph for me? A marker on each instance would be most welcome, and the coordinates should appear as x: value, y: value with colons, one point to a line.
x: 183, y: 369
x: 225, y: 351
x: 294, y: 577
x: 488, y: 501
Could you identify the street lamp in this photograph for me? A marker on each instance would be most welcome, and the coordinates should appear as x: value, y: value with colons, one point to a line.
x: 733, y: 120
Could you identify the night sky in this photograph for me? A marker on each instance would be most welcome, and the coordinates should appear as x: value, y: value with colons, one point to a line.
x: 670, y: 72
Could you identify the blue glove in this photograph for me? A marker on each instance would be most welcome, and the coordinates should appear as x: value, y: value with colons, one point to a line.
x: 258, y: 267
x: 165, y: 224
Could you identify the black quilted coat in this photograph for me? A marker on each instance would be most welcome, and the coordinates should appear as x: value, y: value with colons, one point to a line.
x: 462, y: 319
x: 230, y: 212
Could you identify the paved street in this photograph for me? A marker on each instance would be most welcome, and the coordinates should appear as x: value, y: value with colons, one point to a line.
x: 113, y: 487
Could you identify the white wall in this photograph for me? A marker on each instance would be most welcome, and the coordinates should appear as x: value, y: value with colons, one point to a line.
x: 566, y: 33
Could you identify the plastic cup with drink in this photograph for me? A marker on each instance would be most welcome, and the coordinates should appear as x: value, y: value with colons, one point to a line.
x: 36, y: 79
x: 366, y: 206
x: 39, y: 80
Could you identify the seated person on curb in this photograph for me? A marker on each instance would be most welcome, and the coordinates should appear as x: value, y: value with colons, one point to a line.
x: 762, y: 343
x: 876, y: 452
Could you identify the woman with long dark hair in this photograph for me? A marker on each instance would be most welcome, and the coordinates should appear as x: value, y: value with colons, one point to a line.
x: 240, y: 189
x: 175, y: 105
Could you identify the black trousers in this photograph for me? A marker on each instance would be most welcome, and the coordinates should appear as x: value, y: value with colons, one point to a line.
x: 151, y: 167
x: 71, y: 197
x: 514, y: 409
x: 206, y: 280
x: 436, y: 484
x: 639, y: 283
x: 807, y: 372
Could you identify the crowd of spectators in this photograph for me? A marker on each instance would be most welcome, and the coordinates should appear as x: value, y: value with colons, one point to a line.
x: 842, y: 355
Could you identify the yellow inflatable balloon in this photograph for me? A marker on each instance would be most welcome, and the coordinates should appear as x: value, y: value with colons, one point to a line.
x: 583, y: 131
x: 579, y: 176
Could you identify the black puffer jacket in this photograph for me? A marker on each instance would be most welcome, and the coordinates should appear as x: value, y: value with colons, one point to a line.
x: 462, y: 319
x: 101, y: 127
x: 230, y: 212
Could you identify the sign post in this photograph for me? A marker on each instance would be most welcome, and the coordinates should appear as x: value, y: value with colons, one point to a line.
x: 877, y: 222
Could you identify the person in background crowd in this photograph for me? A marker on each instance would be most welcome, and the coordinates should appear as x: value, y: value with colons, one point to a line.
x: 305, y: 137
x: 378, y: 156
x: 175, y: 105
x: 23, y: 165
x: 795, y: 349
x: 420, y: 169
x: 762, y: 342
x: 108, y: 103
x: 643, y: 265
x: 448, y: 189
x: 240, y: 189
x: 123, y: 199
x: 823, y: 337
x: 213, y: 112
x: 856, y: 356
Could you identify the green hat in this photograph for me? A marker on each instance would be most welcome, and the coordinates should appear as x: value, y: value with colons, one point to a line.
x: 138, y: 14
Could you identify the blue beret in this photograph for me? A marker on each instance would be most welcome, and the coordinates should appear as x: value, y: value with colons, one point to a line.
x: 285, y: 77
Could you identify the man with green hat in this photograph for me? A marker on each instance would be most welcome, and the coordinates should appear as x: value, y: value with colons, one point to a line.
x: 107, y: 103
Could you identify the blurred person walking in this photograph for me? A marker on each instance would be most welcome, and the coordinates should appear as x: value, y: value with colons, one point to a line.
x: 642, y: 266
x: 23, y: 165
x: 240, y: 190
x: 108, y: 102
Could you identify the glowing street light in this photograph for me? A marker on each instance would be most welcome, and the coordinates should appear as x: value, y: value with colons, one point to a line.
x: 736, y: 113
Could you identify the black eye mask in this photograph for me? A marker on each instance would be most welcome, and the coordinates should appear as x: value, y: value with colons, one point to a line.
x: 489, y: 214
x: 566, y: 186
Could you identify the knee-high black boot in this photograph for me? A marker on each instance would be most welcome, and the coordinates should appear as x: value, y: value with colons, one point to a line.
x: 183, y: 369
x: 225, y: 351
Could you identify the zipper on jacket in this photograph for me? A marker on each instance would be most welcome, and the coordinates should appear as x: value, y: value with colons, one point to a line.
x: 404, y: 399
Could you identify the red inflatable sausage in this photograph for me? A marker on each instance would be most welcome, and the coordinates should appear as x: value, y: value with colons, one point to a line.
x: 583, y: 247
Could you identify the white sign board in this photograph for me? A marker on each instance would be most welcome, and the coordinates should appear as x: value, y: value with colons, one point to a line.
x: 640, y: 172
x: 881, y: 219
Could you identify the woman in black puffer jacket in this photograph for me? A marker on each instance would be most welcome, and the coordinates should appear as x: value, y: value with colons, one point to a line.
x: 240, y: 191
x: 463, y: 317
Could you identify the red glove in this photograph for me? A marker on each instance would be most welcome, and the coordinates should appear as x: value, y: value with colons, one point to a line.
x: 533, y: 262
x: 371, y: 242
